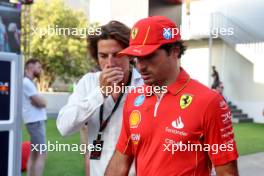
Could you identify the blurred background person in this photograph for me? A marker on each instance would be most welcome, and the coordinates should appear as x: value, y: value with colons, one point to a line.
x: 4, y: 46
x: 34, y: 116
x: 216, y: 79
x: 12, y: 27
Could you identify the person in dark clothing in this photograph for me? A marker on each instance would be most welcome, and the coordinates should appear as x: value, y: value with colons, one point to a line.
x: 216, y: 78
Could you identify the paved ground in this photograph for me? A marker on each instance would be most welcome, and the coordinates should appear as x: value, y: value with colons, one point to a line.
x: 251, y: 165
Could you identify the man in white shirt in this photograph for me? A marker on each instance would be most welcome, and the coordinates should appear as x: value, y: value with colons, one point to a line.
x: 92, y: 101
x: 34, y: 116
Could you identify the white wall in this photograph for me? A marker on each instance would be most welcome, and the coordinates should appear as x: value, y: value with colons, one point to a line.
x: 196, y: 25
x: 237, y: 75
x: 196, y: 61
x: 55, y: 101
x: 103, y: 11
x: 99, y: 11
x: 128, y: 12
x: 247, y: 14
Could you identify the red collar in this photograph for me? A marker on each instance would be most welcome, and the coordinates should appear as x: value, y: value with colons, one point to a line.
x: 174, y: 88
x: 182, y: 80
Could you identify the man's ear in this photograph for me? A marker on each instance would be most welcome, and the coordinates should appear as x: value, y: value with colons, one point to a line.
x: 175, y: 52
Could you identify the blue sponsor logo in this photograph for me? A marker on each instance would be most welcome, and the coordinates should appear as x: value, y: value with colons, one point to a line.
x: 167, y: 33
x: 139, y: 100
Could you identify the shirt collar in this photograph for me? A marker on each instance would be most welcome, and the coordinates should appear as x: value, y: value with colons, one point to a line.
x: 181, y: 82
x: 174, y: 88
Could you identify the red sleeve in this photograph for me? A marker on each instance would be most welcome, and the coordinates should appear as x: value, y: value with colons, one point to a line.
x: 124, y: 144
x: 219, y: 134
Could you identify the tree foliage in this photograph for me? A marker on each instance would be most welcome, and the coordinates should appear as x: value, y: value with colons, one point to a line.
x: 57, y: 38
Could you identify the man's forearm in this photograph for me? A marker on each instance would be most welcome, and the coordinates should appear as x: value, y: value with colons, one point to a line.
x: 38, y: 101
x: 229, y: 169
x: 119, y: 165
x: 78, y: 111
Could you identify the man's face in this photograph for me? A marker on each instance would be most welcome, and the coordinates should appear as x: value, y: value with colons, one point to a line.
x: 107, y: 51
x: 156, y: 68
x: 36, y: 69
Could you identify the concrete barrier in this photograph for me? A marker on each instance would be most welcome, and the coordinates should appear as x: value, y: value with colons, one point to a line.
x: 55, y: 101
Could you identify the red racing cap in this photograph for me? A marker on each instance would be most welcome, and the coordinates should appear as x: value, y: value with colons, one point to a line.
x: 149, y: 34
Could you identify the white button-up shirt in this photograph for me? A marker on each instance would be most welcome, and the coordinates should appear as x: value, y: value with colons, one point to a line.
x: 84, y: 106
